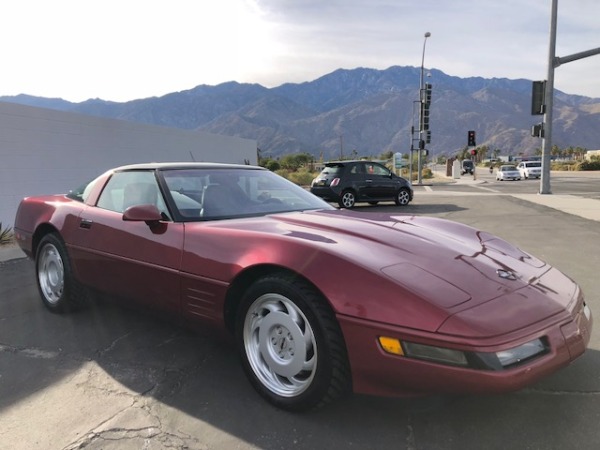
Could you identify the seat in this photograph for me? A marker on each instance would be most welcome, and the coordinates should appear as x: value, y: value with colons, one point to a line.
x: 140, y: 194
x: 219, y: 200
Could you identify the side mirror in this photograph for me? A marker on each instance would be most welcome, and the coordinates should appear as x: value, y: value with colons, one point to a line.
x: 142, y: 213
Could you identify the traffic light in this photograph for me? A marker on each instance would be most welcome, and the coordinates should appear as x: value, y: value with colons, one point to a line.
x: 425, y: 103
x: 471, y: 139
x: 538, y: 94
x: 427, y: 99
x: 428, y: 137
x: 424, y: 116
x: 473, y: 152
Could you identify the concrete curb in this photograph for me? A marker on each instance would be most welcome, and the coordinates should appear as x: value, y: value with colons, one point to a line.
x: 10, y: 251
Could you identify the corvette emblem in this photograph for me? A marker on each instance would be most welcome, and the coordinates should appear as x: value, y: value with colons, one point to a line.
x: 506, y: 274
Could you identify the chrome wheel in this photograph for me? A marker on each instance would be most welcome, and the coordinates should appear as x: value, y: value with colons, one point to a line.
x: 51, y: 274
x: 348, y: 200
x: 280, y: 345
x: 403, y: 197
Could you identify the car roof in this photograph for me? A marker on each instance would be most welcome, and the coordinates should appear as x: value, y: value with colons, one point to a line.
x: 349, y: 161
x: 184, y: 165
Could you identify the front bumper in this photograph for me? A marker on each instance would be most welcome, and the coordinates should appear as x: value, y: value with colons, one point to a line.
x: 376, y: 372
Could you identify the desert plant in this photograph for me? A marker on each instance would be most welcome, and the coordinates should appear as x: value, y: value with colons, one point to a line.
x: 6, y: 235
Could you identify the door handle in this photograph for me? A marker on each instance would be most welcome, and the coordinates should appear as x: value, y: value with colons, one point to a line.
x: 86, y: 223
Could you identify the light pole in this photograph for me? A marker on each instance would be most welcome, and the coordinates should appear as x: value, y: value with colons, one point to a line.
x: 421, y: 118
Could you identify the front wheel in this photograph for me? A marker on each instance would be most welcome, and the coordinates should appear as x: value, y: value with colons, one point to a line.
x: 291, y: 344
x: 59, y: 290
x: 347, y: 200
x: 402, y: 197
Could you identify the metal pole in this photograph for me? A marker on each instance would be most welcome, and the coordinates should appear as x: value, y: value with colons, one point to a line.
x: 549, y: 100
x: 421, y: 131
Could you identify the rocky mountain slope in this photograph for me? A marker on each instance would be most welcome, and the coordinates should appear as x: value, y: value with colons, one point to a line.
x: 360, y: 111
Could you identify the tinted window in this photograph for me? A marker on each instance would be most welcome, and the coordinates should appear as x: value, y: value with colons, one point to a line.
x: 332, y: 170
x: 81, y: 193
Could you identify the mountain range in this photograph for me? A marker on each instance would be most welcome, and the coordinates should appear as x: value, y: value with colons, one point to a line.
x: 360, y: 112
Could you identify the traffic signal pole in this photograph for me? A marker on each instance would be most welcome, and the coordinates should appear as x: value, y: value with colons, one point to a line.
x: 553, y: 62
x: 421, y: 115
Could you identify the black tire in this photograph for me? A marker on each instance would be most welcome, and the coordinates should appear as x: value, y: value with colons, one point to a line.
x: 291, y: 345
x: 348, y: 199
x: 59, y: 290
x: 402, y: 197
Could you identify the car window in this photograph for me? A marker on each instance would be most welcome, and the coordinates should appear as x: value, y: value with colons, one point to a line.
x: 357, y: 168
x: 125, y: 189
x: 208, y: 194
x: 82, y: 192
x: 380, y: 170
x: 332, y: 170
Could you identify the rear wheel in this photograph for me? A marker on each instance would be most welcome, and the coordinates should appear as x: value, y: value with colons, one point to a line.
x: 58, y: 288
x: 402, y: 197
x: 291, y: 344
x: 347, y: 200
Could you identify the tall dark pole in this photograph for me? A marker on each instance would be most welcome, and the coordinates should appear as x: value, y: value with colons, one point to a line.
x: 549, y: 100
x: 421, y: 118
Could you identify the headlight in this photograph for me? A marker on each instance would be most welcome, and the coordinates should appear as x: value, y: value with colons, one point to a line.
x: 521, y: 353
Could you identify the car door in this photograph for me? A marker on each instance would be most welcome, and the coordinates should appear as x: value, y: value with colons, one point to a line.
x: 379, y: 181
x: 131, y: 259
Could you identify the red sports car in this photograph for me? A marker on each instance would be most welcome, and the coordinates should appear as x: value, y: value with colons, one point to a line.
x: 320, y: 301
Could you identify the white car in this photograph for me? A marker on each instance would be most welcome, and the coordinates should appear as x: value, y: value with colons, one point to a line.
x: 530, y: 169
x: 507, y: 172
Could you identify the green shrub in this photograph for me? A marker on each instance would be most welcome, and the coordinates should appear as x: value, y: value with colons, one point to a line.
x: 590, y: 165
x: 6, y: 235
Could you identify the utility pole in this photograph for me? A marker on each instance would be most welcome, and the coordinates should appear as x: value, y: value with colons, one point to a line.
x: 546, y: 130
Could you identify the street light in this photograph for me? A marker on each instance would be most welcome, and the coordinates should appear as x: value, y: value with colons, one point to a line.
x: 421, y: 118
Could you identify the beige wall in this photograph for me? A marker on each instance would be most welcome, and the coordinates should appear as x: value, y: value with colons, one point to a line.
x: 44, y: 151
x: 590, y: 153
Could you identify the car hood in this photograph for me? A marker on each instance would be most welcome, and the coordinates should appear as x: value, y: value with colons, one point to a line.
x: 450, y: 266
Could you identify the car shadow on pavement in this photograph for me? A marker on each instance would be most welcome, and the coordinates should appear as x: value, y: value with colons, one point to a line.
x: 410, y: 209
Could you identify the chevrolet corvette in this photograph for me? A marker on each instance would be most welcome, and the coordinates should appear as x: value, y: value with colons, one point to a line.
x: 319, y: 301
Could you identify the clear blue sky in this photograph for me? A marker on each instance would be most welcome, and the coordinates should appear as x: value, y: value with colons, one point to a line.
x: 121, y: 50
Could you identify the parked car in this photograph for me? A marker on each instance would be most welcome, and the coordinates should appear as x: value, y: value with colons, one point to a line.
x: 530, y: 169
x: 507, y: 172
x: 467, y: 166
x: 349, y: 182
x: 319, y: 301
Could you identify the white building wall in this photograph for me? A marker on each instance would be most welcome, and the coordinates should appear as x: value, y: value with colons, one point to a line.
x: 44, y: 151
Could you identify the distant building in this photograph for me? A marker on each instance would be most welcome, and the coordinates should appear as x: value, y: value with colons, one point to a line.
x: 44, y: 151
x: 590, y: 153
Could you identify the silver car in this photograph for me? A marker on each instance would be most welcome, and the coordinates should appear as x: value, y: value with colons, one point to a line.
x: 508, y: 172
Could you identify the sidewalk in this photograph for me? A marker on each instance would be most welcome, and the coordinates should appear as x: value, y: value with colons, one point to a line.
x: 588, y: 208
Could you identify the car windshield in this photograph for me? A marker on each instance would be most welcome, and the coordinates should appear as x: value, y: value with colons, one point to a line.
x: 206, y: 194
x: 508, y: 168
x: 534, y: 164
